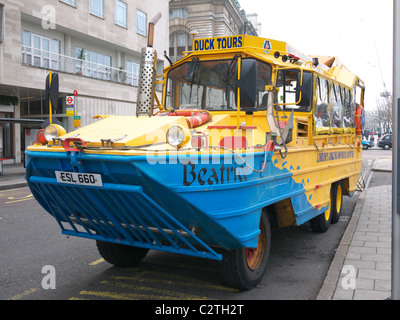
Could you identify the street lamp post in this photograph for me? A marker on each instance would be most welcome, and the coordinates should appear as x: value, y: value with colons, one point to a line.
x: 396, y: 149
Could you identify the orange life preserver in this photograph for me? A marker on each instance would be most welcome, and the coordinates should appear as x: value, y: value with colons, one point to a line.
x: 194, y: 117
x: 360, y: 120
x: 40, y: 137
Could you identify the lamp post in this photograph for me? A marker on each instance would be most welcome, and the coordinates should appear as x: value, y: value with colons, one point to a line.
x: 396, y: 149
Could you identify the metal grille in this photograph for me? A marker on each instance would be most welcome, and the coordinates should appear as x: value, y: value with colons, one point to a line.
x: 117, y: 213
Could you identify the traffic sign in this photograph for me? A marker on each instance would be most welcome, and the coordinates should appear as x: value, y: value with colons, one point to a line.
x: 75, y: 93
x: 70, y: 111
x: 77, y: 121
x: 70, y: 100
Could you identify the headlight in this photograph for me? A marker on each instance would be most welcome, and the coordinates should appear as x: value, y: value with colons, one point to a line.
x: 177, y: 136
x: 53, y: 131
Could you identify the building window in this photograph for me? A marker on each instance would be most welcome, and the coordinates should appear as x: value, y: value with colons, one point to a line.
x: 96, y: 8
x: 178, y: 43
x: 141, y: 23
x: 70, y: 2
x: 178, y: 13
x: 120, y: 13
x: 39, y: 51
x: 2, y: 25
x: 92, y: 64
x: 132, y: 69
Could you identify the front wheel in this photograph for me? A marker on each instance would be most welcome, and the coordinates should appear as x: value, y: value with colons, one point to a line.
x: 245, y: 267
x: 121, y: 255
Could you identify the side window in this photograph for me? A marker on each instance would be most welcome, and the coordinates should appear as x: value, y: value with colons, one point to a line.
x: 321, y: 113
x: 295, y: 90
x: 347, y: 116
x: 353, y: 107
x: 359, y: 95
x: 287, y: 83
x: 336, y: 109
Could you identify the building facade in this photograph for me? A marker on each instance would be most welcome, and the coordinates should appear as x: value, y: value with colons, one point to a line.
x: 204, y: 19
x: 93, y: 45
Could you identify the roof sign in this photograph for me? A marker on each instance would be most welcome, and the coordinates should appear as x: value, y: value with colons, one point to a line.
x: 218, y: 43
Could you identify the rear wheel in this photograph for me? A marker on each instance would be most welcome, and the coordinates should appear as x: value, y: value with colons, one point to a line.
x: 121, y: 255
x: 245, y: 267
x: 337, y: 201
x: 321, y: 223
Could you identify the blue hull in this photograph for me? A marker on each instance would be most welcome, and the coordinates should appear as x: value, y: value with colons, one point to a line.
x: 184, y: 206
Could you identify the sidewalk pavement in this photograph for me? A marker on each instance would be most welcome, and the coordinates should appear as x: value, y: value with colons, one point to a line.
x: 361, y: 268
x: 13, y: 176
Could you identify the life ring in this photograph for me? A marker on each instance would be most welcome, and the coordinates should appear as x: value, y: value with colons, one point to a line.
x: 194, y: 117
x: 360, y: 120
x: 40, y: 137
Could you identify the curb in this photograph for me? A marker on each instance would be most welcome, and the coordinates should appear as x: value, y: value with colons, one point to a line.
x: 15, y: 185
x: 330, y: 283
x: 376, y: 167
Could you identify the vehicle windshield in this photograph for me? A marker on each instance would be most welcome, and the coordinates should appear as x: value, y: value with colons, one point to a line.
x: 210, y: 85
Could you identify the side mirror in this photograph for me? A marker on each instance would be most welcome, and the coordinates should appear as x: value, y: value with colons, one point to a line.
x: 305, y: 89
x: 248, y: 85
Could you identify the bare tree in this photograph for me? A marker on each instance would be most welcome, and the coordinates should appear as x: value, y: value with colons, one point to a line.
x: 380, y: 118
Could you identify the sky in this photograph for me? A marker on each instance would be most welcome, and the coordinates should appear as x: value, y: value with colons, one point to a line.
x: 358, y: 32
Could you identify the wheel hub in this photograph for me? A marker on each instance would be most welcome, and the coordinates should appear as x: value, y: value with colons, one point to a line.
x: 254, y: 256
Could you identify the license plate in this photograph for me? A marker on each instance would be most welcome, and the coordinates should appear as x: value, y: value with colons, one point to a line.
x: 83, y: 179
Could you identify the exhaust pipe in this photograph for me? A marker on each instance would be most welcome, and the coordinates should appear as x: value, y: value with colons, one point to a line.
x: 147, y: 74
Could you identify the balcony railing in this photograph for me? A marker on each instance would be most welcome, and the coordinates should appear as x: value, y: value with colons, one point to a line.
x: 58, y: 62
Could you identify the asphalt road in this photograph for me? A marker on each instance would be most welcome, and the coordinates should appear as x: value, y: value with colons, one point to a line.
x: 32, y: 250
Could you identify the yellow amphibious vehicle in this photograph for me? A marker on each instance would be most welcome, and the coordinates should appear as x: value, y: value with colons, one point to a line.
x: 248, y: 132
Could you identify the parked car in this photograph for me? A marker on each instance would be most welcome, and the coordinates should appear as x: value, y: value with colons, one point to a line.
x: 385, y: 142
x: 366, y: 144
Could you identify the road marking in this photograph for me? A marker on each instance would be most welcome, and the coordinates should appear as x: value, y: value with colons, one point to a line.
x: 29, y: 197
x: 24, y: 294
x: 96, y: 262
x: 123, y: 296
x: 167, y: 294
x: 172, y: 279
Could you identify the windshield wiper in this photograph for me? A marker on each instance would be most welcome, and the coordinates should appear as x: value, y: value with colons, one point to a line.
x: 194, y: 67
x: 231, y: 69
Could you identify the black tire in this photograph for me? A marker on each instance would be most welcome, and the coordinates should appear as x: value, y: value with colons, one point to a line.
x: 235, y: 268
x: 321, y: 223
x: 386, y: 147
x: 121, y: 255
x: 337, y: 201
